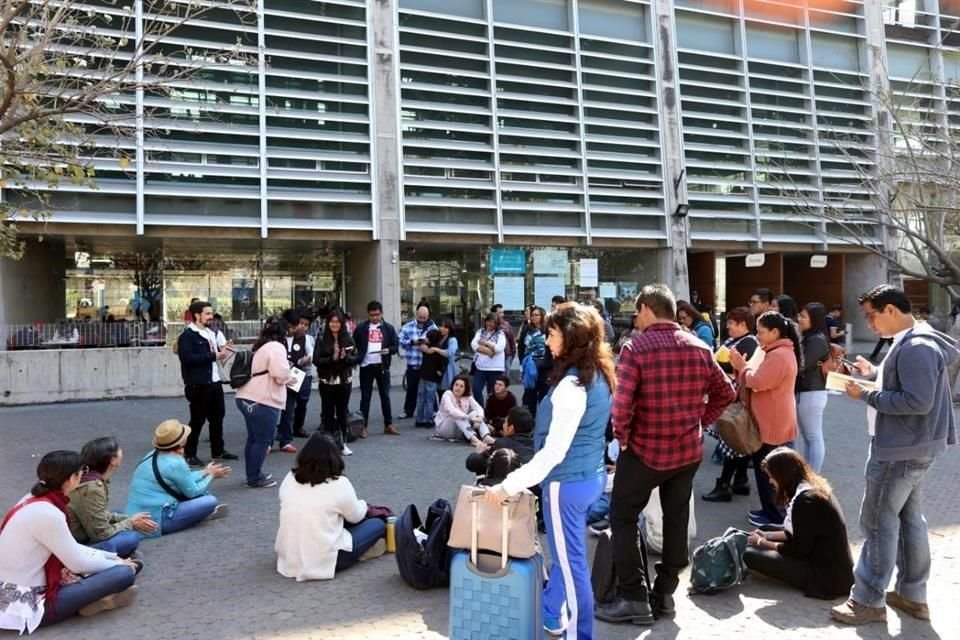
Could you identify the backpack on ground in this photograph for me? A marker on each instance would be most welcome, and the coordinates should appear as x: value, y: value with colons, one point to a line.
x: 240, y: 370
x: 603, y: 572
x: 423, y: 557
x: 718, y: 563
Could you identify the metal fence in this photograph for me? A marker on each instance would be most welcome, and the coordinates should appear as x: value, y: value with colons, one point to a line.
x: 70, y: 334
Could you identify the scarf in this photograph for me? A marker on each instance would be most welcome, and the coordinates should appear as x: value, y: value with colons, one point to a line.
x: 91, y: 476
x: 52, y: 568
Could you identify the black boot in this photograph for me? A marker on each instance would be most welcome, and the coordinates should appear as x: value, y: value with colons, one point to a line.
x: 299, y: 417
x: 741, y: 486
x: 720, y: 493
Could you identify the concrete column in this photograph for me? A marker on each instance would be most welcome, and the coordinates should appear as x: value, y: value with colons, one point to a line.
x: 380, y: 262
x: 34, y: 287
x: 861, y: 273
x: 674, y: 263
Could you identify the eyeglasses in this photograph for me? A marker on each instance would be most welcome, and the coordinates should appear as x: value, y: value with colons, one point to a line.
x: 869, y: 315
x: 753, y: 301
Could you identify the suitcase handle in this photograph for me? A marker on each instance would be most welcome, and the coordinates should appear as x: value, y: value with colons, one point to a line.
x: 475, y: 531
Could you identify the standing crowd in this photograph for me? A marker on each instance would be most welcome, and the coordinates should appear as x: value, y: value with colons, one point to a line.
x: 582, y: 415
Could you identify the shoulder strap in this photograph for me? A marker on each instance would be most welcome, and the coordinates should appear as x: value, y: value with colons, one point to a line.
x: 17, y: 508
x: 163, y: 485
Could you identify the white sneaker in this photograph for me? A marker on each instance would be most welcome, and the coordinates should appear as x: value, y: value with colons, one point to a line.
x: 346, y: 451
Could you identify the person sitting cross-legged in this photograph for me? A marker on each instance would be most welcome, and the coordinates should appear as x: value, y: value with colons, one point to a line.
x: 460, y: 416
x: 517, y: 436
x: 324, y: 527
x: 165, y: 487
x: 499, y: 403
x: 90, y: 522
x: 45, y: 575
x: 812, y: 552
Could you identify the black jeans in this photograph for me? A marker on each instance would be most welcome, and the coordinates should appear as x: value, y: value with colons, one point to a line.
x: 530, y: 401
x: 206, y: 405
x: 631, y: 493
x: 764, y: 488
x: 413, y: 383
x: 735, y: 470
x: 334, y: 408
x: 773, y: 565
x: 368, y: 375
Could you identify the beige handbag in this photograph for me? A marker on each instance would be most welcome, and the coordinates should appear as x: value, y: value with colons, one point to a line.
x: 514, y: 523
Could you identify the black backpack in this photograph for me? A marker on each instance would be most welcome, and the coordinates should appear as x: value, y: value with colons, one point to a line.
x: 427, y: 564
x: 240, y: 370
x: 603, y: 574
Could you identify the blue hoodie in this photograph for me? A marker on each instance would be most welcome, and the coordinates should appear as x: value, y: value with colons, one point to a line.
x: 915, y: 416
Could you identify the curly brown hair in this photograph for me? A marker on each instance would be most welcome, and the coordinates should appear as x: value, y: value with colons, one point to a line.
x: 584, y: 346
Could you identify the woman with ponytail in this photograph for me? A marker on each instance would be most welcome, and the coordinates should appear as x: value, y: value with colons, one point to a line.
x: 771, y: 385
x: 45, y: 575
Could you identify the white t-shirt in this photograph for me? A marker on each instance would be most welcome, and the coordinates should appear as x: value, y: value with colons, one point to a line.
x: 871, y: 412
x: 374, y: 345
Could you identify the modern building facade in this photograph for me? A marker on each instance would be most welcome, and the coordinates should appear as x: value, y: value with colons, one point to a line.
x: 472, y: 151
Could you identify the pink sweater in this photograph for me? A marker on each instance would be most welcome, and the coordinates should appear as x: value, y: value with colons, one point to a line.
x: 269, y: 389
x: 772, y: 401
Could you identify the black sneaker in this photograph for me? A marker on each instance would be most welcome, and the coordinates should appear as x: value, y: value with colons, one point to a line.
x: 196, y: 462
x: 262, y: 483
x: 226, y: 455
x: 300, y: 433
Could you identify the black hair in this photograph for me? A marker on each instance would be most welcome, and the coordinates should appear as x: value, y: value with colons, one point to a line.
x: 883, y: 295
x: 433, y: 337
x: 787, y: 306
x: 374, y: 305
x: 596, y: 305
x: 520, y: 419
x: 788, y: 468
x: 327, y: 335
x: 818, y: 319
x: 836, y: 307
x: 292, y: 316
x: 924, y: 309
x: 423, y: 303
x: 466, y: 384
x: 447, y: 322
x: 274, y: 330
x: 764, y: 294
x: 496, y: 308
x: 54, y: 470
x: 196, y: 308
x: 504, y: 379
x: 492, y: 317
x: 97, y: 454
x: 558, y: 299
x: 660, y: 300
x: 500, y: 464
x: 690, y: 310
x: 788, y: 329
x: 318, y: 461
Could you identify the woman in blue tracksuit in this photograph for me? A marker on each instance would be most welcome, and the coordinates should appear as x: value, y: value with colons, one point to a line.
x: 568, y: 464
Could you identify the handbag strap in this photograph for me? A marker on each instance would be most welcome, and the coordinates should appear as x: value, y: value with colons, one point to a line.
x: 475, y: 497
x: 163, y: 485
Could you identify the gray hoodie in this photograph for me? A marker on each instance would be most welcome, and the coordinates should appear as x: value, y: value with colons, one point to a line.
x: 915, y: 416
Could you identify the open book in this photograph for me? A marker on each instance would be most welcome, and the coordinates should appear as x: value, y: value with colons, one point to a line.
x: 838, y: 382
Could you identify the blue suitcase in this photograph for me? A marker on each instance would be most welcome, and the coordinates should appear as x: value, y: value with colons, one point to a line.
x: 501, y: 598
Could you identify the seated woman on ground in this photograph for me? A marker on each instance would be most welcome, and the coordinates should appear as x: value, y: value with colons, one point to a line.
x: 45, y: 575
x: 812, y: 552
x: 91, y: 523
x: 499, y: 466
x: 316, y: 500
x: 461, y: 416
x: 163, y: 485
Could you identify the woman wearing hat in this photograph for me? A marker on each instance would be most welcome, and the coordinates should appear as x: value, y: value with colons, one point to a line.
x: 45, y: 575
x: 164, y: 486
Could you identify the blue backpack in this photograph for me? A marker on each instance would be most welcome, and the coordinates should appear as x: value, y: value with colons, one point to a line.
x: 718, y: 563
x: 529, y: 372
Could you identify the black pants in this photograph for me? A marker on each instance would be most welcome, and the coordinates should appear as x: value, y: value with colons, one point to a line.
x: 334, y: 398
x: 631, y: 493
x: 530, y: 401
x: 379, y: 374
x: 206, y: 405
x: 773, y: 565
x: 413, y: 383
x: 735, y: 470
x: 764, y: 488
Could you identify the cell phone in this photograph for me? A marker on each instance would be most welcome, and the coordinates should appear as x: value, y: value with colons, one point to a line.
x: 850, y: 364
x: 350, y: 348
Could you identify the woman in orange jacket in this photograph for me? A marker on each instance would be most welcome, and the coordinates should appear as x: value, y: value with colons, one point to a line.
x: 770, y: 385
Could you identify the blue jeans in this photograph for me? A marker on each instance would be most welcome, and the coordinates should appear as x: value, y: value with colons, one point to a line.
x: 810, y: 406
x: 565, y: 507
x: 365, y: 534
x: 261, y: 424
x: 285, y: 425
x: 73, y: 597
x: 599, y: 510
x: 894, y: 530
x: 123, y: 543
x: 483, y: 379
x: 186, y: 514
x: 426, y: 401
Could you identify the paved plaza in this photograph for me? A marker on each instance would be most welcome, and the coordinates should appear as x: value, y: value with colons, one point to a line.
x: 218, y: 581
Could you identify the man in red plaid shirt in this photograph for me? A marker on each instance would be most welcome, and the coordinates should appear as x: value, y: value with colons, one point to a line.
x: 668, y: 385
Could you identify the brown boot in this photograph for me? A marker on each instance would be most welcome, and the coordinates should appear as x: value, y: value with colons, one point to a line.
x: 853, y: 613
x: 918, y: 610
x: 390, y: 430
x: 363, y: 432
x: 112, y: 601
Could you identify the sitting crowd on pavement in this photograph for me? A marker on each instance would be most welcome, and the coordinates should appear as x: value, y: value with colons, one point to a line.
x: 601, y: 435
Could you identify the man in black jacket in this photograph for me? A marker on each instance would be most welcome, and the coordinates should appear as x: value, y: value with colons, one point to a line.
x: 517, y: 436
x: 376, y: 341
x: 199, y: 349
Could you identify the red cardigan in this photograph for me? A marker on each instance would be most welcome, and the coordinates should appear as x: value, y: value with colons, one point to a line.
x: 772, y: 399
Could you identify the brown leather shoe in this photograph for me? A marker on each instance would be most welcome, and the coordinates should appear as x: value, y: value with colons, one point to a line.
x: 918, y: 610
x: 390, y: 430
x: 363, y: 433
x: 853, y: 613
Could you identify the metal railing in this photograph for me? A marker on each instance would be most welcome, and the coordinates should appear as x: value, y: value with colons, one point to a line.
x: 77, y: 335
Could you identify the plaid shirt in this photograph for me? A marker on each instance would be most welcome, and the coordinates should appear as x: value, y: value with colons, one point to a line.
x: 663, y: 376
x: 410, y: 332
